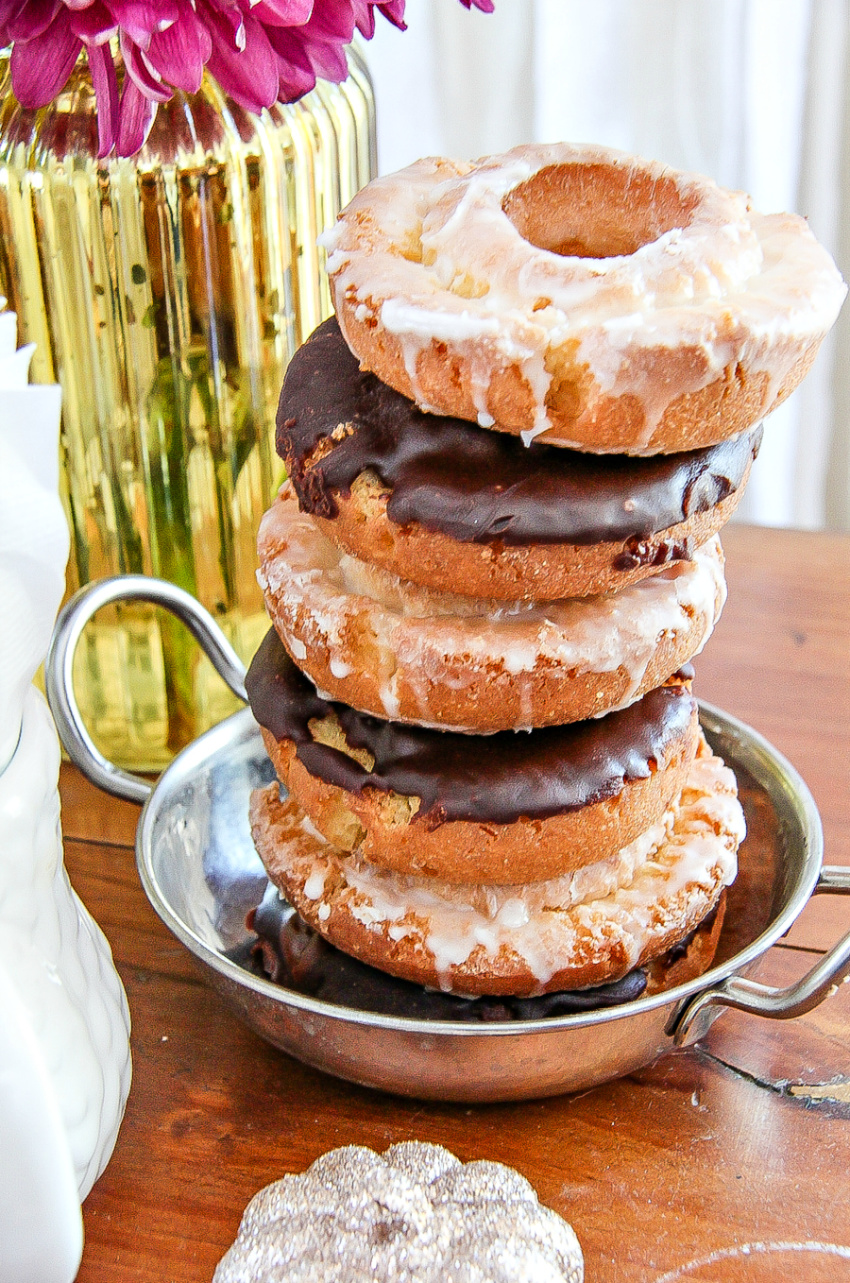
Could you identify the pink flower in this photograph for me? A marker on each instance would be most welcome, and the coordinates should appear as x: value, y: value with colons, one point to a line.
x: 259, y: 51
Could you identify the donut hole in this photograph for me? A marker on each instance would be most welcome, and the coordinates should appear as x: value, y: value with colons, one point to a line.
x: 596, y: 211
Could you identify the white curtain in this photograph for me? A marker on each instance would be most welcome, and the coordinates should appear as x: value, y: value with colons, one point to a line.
x: 755, y: 93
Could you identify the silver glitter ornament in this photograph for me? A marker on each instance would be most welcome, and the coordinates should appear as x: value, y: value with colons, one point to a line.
x: 414, y: 1214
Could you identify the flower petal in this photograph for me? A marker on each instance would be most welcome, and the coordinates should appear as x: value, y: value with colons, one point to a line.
x: 331, y: 20
x: 141, y: 19
x: 94, y: 25
x: 180, y: 53
x: 40, y: 67
x: 228, y: 15
x: 32, y: 19
x: 250, y: 75
x: 328, y: 60
x: 296, y: 76
x: 364, y: 18
x: 283, y: 13
x: 135, y: 117
x: 393, y: 11
x: 146, y: 79
x: 364, y: 15
x: 105, y: 84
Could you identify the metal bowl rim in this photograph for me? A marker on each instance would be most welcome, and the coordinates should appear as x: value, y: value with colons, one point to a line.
x: 763, y: 761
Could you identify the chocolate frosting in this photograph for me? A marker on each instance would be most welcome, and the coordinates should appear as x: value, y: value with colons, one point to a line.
x: 482, y: 778
x: 473, y: 484
x: 292, y: 954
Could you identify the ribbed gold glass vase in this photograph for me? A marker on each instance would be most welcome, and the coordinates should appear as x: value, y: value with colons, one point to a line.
x: 166, y: 293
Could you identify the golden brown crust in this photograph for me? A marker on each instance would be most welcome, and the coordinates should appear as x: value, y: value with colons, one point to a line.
x: 450, y: 696
x: 535, y: 572
x: 393, y: 649
x: 387, y: 829
x: 569, y: 947
x: 663, y: 972
x: 588, y: 298
x: 667, y: 972
x: 580, y: 415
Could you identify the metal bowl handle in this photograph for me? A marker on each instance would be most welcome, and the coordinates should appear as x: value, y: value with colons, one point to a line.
x: 59, y: 668
x: 691, y: 1021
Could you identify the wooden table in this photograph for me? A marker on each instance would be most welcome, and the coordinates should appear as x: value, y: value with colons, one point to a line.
x: 728, y: 1161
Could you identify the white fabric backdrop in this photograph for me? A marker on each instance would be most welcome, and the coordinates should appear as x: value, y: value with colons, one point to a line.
x: 755, y: 93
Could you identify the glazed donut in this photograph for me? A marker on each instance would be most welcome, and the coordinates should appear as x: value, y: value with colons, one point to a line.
x: 290, y: 953
x: 691, y: 957
x: 582, y: 295
x: 390, y: 648
x: 504, y: 808
x: 519, y: 939
x: 443, y: 503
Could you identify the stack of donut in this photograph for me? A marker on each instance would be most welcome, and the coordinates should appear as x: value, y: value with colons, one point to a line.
x: 509, y: 456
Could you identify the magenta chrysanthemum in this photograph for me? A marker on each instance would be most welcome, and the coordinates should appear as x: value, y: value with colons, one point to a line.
x: 259, y: 51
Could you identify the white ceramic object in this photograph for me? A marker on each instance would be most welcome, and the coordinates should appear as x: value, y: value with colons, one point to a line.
x: 33, y: 530
x: 64, y: 1025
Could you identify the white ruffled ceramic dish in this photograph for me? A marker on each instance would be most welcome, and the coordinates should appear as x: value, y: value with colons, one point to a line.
x: 64, y: 1025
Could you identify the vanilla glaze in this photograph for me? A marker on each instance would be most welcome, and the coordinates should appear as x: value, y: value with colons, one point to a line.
x: 442, y: 254
x: 323, y: 601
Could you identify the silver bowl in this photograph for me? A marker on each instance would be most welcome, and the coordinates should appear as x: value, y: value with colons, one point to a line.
x: 201, y: 873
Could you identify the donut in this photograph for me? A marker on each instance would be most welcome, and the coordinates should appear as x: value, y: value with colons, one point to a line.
x: 568, y: 933
x: 393, y: 649
x: 285, y: 950
x: 504, y: 808
x: 689, y: 959
x: 448, y: 505
x: 593, y: 299
x: 413, y: 1213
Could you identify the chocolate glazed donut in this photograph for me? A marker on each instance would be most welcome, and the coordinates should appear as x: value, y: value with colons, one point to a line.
x: 510, y: 807
x: 447, y: 504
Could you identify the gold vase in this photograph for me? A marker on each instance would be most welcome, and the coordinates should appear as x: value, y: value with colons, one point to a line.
x: 166, y: 293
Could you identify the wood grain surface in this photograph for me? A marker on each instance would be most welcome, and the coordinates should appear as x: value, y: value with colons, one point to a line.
x: 726, y: 1161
